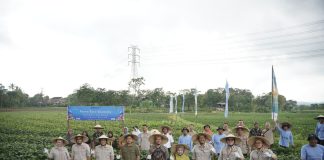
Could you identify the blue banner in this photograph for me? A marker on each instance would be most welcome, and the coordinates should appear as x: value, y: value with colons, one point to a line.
x: 111, y: 113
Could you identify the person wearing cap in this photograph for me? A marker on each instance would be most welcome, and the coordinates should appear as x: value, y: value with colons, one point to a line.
x: 104, y: 151
x: 98, y: 132
x: 179, y: 152
x: 130, y: 151
x: 191, y: 130
x: 227, y: 130
x: 185, y: 138
x: 143, y: 139
x: 267, y: 133
x: 80, y: 150
x: 319, y: 131
x: 312, y: 150
x: 231, y: 151
x: 261, y: 151
x: 207, y: 130
x: 242, y: 132
x: 165, y: 131
x: 157, y: 150
x: 218, y: 145
x: 286, y: 137
x: 59, y: 152
x: 256, y: 131
x: 202, y: 150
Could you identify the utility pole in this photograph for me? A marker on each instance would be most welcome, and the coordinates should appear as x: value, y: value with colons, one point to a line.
x: 134, y: 60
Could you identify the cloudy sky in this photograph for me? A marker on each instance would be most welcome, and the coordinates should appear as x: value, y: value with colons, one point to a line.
x: 60, y: 45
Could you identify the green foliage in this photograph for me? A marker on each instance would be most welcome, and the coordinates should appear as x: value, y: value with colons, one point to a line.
x: 25, y: 134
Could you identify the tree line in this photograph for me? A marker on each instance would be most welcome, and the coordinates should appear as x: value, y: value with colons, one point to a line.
x: 241, y: 100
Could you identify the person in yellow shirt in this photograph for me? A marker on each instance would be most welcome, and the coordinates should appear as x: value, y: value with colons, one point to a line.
x: 179, y: 152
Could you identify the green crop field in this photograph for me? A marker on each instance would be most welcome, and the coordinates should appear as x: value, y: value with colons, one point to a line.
x: 24, y: 133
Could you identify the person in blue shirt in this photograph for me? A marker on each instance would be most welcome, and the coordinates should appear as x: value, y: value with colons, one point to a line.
x: 185, y: 138
x: 286, y: 136
x: 312, y: 150
x: 319, y: 131
x: 218, y: 145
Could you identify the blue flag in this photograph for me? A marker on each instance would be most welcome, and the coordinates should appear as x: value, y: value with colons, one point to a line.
x: 227, y: 96
x: 274, y: 97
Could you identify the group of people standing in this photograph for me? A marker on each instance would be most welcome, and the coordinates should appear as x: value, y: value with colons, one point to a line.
x: 226, y: 144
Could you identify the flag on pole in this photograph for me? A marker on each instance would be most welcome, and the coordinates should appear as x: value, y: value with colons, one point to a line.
x: 183, y: 102
x: 274, y: 97
x: 227, y: 96
x: 171, y: 104
x: 196, y: 103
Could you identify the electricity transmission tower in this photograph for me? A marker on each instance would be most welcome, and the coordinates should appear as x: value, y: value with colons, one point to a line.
x: 134, y: 61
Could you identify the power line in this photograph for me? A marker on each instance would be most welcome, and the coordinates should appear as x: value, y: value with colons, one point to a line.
x: 240, y: 50
x: 264, y: 32
x: 282, y: 56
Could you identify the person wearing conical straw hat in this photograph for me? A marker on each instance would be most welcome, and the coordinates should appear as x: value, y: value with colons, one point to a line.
x: 286, y: 136
x: 312, y: 150
x: 130, y: 151
x: 166, y: 131
x: 179, y: 152
x: 319, y: 131
x: 261, y: 151
x: 157, y: 150
x: 104, y: 151
x: 98, y: 132
x: 59, y: 152
x: 242, y: 132
x: 80, y: 150
x: 218, y: 145
x: 231, y: 151
x: 202, y: 150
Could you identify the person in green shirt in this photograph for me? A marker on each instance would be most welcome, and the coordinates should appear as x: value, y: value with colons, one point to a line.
x: 130, y: 151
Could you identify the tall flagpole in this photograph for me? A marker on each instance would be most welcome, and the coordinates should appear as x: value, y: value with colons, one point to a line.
x: 272, y: 114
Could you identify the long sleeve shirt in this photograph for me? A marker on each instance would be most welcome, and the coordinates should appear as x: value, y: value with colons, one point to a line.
x: 228, y: 153
x: 263, y: 154
x: 59, y: 153
x: 185, y: 140
x: 218, y: 145
x: 80, y: 152
x: 286, y: 137
x: 312, y: 153
x: 203, y: 152
x: 319, y: 131
x: 104, y: 152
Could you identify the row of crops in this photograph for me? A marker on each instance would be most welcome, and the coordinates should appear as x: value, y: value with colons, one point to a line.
x: 24, y: 134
